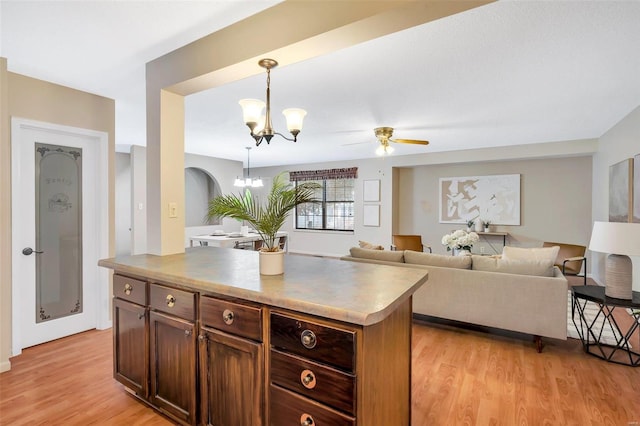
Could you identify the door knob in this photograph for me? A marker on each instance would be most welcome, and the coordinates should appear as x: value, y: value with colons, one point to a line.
x: 28, y: 250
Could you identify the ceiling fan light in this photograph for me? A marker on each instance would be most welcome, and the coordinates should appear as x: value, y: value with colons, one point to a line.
x: 294, y: 117
x: 389, y: 149
x: 252, y: 110
x: 380, y: 150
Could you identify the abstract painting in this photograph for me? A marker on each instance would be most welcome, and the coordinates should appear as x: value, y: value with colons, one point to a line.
x: 494, y: 198
x: 620, y: 195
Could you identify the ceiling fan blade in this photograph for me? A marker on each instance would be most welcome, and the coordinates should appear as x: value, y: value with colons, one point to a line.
x: 410, y: 141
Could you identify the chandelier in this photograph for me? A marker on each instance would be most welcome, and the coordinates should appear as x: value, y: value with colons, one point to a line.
x: 260, y: 125
x: 242, y: 183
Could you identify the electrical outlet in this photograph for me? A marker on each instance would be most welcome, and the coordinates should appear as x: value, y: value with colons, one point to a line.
x: 481, y: 249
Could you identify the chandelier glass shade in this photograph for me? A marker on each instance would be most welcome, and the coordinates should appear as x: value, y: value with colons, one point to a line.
x: 260, y: 125
x: 247, y: 181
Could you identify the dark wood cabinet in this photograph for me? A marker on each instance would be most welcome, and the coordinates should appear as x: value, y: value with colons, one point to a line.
x: 130, y: 344
x: 232, y: 380
x: 203, y: 358
x: 173, y: 366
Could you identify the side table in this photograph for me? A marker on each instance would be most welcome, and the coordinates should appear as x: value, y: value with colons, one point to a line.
x: 590, y: 327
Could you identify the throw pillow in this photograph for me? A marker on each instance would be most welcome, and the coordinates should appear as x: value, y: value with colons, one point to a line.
x: 540, y: 268
x: 387, y: 256
x: 429, y: 259
x: 541, y: 253
x: 367, y: 245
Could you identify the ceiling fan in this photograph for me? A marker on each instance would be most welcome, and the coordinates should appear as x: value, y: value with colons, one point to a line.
x: 384, y: 137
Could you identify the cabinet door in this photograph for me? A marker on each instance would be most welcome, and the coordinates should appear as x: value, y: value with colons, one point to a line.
x: 172, y: 344
x: 130, y: 338
x: 232, y: 384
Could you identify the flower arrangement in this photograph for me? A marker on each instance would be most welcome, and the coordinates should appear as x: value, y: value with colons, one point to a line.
x: 460, y: 240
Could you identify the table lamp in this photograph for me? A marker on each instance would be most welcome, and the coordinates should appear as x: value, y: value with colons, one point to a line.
x: 620, y: 240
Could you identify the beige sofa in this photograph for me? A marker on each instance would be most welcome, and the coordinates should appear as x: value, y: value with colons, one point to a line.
x: 522, y: 296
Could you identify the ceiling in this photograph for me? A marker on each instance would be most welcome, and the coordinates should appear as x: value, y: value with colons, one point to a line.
x: 508, y: 73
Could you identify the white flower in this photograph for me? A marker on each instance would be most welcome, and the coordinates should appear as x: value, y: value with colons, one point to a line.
x: 460, y: 239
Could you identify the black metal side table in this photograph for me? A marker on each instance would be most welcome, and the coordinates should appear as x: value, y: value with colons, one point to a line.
x: 590, y: 326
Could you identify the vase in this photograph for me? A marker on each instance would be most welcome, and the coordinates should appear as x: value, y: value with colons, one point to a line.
x: 271, y: 262
x: 461, y: 252
x: 479, y: 226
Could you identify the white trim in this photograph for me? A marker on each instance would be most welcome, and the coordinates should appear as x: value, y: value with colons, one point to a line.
x: 5, y: 366
x: 101, y: 194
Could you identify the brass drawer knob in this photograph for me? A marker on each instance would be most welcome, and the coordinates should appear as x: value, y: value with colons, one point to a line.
x: 306, y: 420
x: 128, y: 288
x: 227, y: 316
x: 308, y: 379
x: 308, y: 339
x: 171, y: 301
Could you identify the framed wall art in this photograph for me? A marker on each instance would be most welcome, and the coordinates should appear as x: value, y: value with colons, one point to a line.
x: 494, y: 198
x: 620, y: 191
x: 371, y: 215
x: 371, y: 190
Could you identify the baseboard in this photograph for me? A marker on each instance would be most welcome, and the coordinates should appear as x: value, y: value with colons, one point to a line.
x: 5, y: 366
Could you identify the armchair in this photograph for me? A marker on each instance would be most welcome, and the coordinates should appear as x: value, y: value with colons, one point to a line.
x: 408, y: 242
x: 570, y: 259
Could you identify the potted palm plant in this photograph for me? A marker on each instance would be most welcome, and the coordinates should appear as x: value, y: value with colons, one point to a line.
x: 266, y: 218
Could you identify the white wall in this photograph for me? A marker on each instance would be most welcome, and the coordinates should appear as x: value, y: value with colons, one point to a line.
x: 123, y: 204
x: 224, y: 172
x: 469, y: 161
x: 620, y: 142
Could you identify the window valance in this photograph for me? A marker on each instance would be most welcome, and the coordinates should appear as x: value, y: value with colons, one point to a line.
x: 346, y: 173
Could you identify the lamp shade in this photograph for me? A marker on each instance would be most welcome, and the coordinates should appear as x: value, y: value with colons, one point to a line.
x: 294, y: 117
x: 615, y: 238
x: 251, y: 110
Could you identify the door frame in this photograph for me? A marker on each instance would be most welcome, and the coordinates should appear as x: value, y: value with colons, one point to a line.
x: 100, y: 276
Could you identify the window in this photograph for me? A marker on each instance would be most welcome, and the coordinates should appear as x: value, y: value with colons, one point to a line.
x: 334, y: 212
x: 336, y: 195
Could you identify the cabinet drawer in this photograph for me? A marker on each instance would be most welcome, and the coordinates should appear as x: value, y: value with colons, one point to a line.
x: 176, y: 302
x: 315, y: 341
x: 233, y: 318
x: 130, y: 289
x: 288, y: 408
x: 327, y: 385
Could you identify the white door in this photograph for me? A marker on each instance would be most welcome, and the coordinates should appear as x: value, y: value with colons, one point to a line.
x: 60, y: 231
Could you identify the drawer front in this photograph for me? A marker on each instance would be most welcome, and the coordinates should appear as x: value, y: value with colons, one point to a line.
x: 172, y: 301
x: 230, y: 317
x: 315, y: 341
x: 290, y: 409
x: 130, y: 289
x: 327, y: 385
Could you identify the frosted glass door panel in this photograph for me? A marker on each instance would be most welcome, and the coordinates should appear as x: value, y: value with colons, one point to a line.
x: 58, y: 232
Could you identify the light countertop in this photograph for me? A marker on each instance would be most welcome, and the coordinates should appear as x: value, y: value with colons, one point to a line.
x: 353, y: 292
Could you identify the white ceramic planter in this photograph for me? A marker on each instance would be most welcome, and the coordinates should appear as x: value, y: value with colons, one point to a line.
x: 271, y: 262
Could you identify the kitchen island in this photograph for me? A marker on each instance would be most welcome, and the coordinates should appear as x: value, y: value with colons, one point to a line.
x: 205, y: 339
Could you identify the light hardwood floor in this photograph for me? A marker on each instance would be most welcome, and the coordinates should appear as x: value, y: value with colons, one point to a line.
x: 460, y: 377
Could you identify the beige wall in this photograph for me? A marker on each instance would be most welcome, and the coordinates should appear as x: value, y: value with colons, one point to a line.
x: 42, y: 101
x: 555, y: 192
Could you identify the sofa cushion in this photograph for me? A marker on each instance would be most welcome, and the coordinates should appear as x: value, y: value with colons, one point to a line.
x: 419, y: 258
x: 368, y: 245
x: 541, y: 268
x: 389, y: 256
x: 539, y: 253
